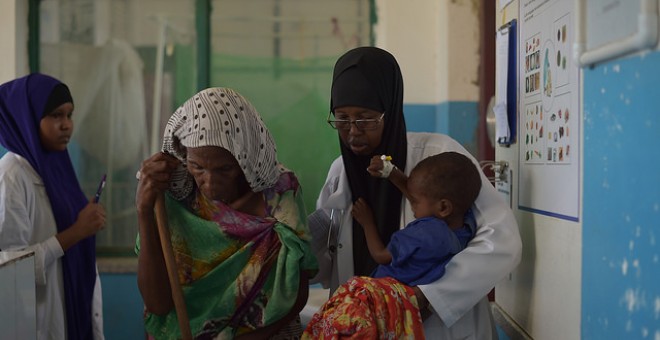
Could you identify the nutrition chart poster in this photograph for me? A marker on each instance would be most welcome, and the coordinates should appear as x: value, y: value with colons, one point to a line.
x: 549, y: 130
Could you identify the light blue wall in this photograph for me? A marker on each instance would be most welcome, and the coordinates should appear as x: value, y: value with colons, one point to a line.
x: 122, y: 307
x: 458, y: 119
x: 621, y: 227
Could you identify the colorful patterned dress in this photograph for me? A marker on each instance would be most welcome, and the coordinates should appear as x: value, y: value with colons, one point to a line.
x: 238, y: 272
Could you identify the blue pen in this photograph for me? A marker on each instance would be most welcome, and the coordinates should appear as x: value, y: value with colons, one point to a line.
x: 97, y: 197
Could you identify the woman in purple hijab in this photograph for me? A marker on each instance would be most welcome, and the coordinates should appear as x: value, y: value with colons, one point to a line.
x: 43, y: 208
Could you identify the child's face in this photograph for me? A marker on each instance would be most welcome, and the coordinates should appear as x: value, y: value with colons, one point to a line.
x: 56, y: 128
x: 422, y: 205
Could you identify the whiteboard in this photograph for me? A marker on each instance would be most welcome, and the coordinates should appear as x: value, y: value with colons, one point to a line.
x: 608, y: 29
x: 602, y: 14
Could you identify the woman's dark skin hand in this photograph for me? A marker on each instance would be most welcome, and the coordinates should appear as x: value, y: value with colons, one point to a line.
x: 423, y: 303
x: 91, y: 220
x: 155, y: 174
x: 153, y: 280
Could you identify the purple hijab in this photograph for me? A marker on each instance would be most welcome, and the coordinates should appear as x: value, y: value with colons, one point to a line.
x: 22, y: 102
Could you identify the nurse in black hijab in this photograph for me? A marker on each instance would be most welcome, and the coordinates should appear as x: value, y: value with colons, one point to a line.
x: 366, y: 109
x: 367, y: 104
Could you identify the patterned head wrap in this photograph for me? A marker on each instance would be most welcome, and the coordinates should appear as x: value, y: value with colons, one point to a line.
x: 221, y: 117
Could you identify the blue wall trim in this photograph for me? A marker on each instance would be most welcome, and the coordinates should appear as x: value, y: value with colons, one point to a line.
x: 458, y: 119
x: 548, y: 213
x: 420, y: 117
x: 621, y: 224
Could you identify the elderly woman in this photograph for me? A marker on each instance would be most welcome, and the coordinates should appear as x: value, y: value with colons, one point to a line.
x: 237, y: 225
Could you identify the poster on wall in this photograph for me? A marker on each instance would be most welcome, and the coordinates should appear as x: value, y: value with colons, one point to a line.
x: 548, y: 124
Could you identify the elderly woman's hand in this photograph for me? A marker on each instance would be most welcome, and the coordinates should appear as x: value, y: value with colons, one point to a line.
x: 153, y: 179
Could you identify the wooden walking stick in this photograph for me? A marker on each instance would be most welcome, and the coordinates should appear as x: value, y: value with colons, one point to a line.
x: 172, y: 273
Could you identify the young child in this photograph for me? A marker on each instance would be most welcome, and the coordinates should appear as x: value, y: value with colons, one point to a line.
x: 441, y: 189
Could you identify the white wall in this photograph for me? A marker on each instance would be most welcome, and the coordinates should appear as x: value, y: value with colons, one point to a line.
x: 461, y: 26
x: 13, y: 39
x: 543, y: 295
x: 412, y: 35
x: 437, y: 46
x: 8, y: 39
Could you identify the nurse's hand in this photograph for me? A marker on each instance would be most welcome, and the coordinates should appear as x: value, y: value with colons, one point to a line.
x: 91, y: 219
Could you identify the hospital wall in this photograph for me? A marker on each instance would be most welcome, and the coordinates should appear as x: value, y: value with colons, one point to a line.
x: 596, y: 278
x: 437, y: 46
x: 621, y: 253
x: 13, y: 38
x: 542, y: 295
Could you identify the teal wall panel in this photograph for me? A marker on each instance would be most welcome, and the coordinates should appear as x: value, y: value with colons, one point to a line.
x: 621, y: 226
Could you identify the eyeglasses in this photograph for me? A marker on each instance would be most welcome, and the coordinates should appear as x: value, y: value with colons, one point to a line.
x: 360, y: 124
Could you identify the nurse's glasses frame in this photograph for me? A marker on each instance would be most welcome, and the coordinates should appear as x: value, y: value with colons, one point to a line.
x: 360, y: 124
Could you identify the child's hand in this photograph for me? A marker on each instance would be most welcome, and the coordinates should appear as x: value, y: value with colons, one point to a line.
x: 376, y: 166
x: 362, y: 213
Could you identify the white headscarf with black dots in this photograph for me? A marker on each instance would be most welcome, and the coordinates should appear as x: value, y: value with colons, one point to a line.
x: 221, y: 117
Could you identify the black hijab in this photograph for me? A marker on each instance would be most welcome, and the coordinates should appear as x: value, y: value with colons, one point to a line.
x: 370, y: 77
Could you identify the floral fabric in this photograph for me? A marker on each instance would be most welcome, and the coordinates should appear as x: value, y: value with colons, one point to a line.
x: 238, y: 272
x: 368, y: 308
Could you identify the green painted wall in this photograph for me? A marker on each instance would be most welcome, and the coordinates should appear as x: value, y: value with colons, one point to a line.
x: 293, y: 98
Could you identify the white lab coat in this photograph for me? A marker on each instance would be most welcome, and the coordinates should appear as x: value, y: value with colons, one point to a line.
x: 458, y: 299
x: 27, y: 223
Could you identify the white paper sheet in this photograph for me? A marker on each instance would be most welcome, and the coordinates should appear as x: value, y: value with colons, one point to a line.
x: 502, y: 133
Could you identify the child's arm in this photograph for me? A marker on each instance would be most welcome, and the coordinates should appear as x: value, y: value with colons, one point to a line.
x: 400, y: 180
x: 396, y: 176
x: 362, y: 213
